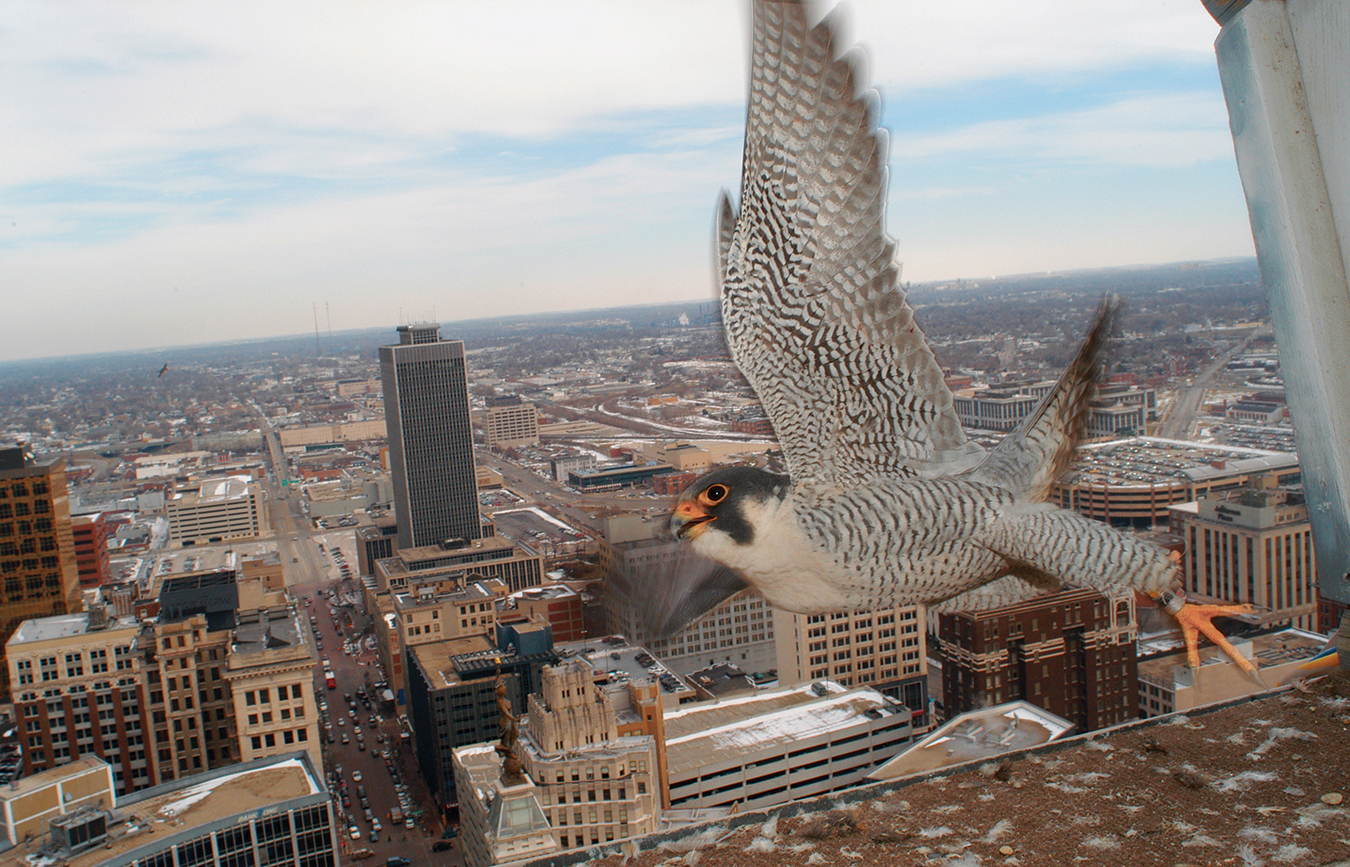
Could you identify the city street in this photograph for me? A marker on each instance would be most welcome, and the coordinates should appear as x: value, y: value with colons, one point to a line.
x: 353, y: 672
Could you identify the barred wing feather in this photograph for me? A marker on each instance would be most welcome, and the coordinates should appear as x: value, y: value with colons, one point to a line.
x: 811, y: 302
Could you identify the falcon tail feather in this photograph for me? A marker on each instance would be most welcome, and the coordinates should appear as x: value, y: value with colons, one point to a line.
x: 1034, y: 455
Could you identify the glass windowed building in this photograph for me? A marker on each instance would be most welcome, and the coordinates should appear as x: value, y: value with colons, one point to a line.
x: 426, y: 410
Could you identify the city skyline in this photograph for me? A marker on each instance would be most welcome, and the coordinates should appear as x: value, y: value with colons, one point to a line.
x: 185, y: 174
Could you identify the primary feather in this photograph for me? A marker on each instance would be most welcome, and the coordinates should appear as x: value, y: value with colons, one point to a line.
x: 886, y: 502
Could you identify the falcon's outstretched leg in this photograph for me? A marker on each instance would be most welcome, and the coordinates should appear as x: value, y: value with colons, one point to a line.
x: 1197, y: 619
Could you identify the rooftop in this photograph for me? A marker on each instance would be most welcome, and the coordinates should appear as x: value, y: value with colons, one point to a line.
x: 215, y: 491
x: 409, y: 560
x: 272, y: 630
x: 551, y: 591
x: 760, y: 721
x: 1146, y: 461
x: 1273, y: 653
x: 415, y: 599
x: 66, y: 626
x: 977, y: 735
x: 1247, y: 782
x: 437, y: 659
x: 182, y: 806
x: 621, y: 662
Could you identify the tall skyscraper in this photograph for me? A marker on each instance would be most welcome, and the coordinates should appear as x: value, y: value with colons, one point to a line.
x: 39, y: 575
x: 426, y: 411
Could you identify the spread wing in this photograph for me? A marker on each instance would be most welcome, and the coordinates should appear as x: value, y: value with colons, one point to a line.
x: 811, y: 302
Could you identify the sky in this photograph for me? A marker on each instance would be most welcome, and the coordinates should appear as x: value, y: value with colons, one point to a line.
x: 192, y: 172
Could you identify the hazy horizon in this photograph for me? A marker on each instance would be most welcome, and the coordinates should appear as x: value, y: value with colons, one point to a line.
x: 203, y: 167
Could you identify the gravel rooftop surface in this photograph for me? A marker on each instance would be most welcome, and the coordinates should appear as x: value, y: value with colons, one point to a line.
x: 1260, y: 782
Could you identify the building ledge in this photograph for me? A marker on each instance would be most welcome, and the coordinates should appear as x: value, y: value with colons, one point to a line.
x: 1254, y: 781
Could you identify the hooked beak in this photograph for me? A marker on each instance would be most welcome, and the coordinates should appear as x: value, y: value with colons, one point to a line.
x: 689, y: 520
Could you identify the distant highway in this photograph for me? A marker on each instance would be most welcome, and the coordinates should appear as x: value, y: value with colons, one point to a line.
x: 291, y: 528
x: 1177, y: 424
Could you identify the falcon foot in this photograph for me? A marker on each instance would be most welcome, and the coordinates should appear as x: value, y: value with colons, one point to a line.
x: 1196, y: 620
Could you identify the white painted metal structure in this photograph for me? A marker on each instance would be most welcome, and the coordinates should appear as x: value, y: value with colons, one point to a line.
x: 1285, y: 66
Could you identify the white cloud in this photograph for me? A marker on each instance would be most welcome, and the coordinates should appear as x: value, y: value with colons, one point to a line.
x: 179, y: 165
x: 1159, y: 129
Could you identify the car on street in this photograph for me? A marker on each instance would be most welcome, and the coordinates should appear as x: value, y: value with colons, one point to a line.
x: 397, y: 861
x: 356, y: 776
x: 354, y: 832
x: 345, y: 740
x: 442, y: 846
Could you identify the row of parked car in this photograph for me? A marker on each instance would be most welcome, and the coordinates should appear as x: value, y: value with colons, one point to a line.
x: 11, y: 762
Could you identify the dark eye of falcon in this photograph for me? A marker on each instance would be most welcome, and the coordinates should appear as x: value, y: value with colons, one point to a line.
x: 714, y: 495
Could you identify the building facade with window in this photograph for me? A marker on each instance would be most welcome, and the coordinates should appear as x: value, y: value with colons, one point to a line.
x: 884, y: 649
x: 1071, y: 653
x: 510, y: 423
x: 79, y: 689
x: 633, y: 548
x: 203, y: 685
x: 39, y: 574
x: 426, y: 413
x: 1252, y: 546
x: 270, y: 678
x: 217, y: 510
x: 91, y: 549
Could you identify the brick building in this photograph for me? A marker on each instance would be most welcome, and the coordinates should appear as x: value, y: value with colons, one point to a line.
x: 39, y: 575
x: 1071, y: 653
x: 91, y: 549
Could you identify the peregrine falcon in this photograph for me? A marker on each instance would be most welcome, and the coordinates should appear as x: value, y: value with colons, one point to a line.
x: 886, y: 502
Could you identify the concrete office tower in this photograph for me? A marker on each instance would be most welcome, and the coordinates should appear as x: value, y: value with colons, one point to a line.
x: 510, y: 422
x: 41, y: 576
x: 426, y: 411
x: 1254, y: 545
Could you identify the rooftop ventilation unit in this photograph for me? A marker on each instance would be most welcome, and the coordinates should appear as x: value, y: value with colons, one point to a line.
x: 80, y: 830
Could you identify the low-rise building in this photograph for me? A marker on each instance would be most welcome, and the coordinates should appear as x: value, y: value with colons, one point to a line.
x: 215, y: 670
x: 779, y: 745
x: 492, y: 557
x: 273, y: 811
x: 589, y: 777
x: 217, y: 510
x: 740, y: 631
x: 1134, y: 481
x: 560, y: 466
x: 1167, y: 683
x: 884, y: 649
x: 79, y: 689
x: 510, y: 423
x: 270, y: 678
x: 451, y: 692
x: 559, y: 605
